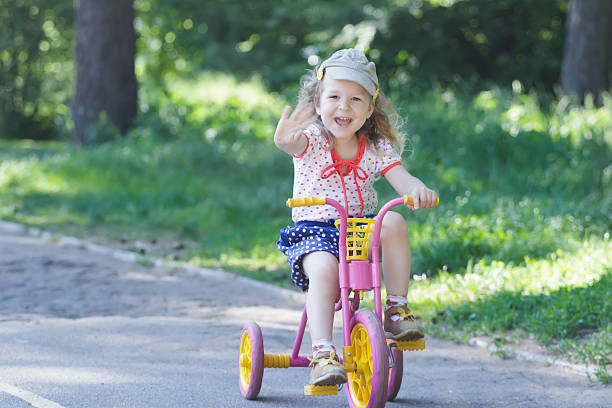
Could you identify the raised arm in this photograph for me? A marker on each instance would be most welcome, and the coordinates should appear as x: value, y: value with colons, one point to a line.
x: 289, y: 132
x: 405, y: 183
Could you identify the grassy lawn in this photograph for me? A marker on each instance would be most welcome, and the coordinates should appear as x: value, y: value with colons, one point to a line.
x: 520, y: 241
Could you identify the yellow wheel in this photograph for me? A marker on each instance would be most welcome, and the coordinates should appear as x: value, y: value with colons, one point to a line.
x: 251, y: 361
x: 367, y: 385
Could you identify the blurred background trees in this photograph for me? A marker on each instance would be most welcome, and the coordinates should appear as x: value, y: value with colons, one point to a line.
x: 588, y: 48
x: 104, y: 60
x: 36, y: 49
x: 417, y: 44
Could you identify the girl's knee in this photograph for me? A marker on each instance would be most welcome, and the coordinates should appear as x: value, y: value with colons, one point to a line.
x: 322, y: 271
x: 394, y: 226
x: 321, y: 266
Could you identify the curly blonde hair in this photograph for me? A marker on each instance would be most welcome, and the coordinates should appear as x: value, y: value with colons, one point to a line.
x: 383, y: 123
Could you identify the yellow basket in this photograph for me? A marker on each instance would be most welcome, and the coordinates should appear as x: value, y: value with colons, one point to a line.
x: 358, y: 238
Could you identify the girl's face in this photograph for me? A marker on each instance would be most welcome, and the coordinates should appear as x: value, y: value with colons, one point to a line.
x: 343, y: 106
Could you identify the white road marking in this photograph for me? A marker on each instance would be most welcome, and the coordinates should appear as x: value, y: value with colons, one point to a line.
x: 35, y: 400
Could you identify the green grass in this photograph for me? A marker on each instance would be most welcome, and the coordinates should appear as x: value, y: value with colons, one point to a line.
x: 595, y: 350
x: 520, y: 241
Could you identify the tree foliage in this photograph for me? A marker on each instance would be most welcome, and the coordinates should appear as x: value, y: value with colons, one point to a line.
x: 36, y: 41
x: 416, y: 44
x: 413, y: 42
x: 474, y: 41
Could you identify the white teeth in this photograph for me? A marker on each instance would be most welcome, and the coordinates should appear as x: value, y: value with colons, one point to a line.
x: 343, y: 121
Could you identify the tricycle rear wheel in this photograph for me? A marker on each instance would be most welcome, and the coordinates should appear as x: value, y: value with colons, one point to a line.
x: 251, y: 360
x: 395, y: 374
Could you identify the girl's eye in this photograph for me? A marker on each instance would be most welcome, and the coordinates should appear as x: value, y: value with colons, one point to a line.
x: 333, y: 96
x: 357, y: 99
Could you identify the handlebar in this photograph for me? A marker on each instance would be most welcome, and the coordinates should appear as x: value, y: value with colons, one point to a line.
x: 309, y: 201
x: 410, y: 201
x: 306, y: 201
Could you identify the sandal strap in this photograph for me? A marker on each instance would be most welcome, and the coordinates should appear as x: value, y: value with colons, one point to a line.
x: 401, y: 312
x: 332, y: 359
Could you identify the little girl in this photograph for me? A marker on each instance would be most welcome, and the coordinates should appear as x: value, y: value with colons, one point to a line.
x: 342, y: 140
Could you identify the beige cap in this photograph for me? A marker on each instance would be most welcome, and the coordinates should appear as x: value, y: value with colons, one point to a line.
x: 351, y: 64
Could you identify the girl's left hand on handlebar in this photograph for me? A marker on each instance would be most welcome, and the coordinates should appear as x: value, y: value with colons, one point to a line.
x: 423, y: 198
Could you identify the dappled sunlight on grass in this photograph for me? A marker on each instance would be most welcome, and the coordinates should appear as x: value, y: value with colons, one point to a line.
x: 218, y: 88
x: 475, y: 229
x: 562, y: 298
x: 541, y: 276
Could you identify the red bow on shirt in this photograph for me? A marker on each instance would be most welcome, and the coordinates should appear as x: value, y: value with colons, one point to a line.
x: 350, y: 167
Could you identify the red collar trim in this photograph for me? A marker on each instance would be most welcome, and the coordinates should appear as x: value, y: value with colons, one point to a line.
x: 344, y: 167
x: 357, y: 159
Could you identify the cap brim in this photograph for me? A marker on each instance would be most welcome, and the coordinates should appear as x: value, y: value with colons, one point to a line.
x: 343, y: 73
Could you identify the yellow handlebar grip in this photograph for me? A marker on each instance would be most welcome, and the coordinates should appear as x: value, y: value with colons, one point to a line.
x: 306, y: 201
x: 409, y: 201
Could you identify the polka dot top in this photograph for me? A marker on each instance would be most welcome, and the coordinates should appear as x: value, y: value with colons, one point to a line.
x: 319, y: 171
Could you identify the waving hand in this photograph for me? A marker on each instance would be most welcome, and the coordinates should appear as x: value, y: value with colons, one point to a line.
x: 288, y: 136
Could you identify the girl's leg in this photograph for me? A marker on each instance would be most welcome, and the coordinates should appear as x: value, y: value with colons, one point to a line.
x: 322, y: 271
x: 399, y: 323
x: 395, y: 254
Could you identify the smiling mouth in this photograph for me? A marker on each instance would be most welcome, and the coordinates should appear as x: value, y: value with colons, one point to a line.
x: 343, y: 121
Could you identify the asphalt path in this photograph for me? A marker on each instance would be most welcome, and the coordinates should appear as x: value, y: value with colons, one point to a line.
x: 83, y: 329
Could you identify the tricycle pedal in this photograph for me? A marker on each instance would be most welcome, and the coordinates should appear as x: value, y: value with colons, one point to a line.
x: 410, y: 345
x: 317, y: 390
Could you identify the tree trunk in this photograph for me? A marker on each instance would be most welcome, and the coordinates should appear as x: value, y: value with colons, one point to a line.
x: 587, y: 48
x: 105, y: 78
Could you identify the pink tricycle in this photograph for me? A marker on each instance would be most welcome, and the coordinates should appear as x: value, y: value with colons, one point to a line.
x: 374, y: 364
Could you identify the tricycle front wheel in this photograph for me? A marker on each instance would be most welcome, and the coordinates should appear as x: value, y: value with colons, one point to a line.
x: 367, y: 385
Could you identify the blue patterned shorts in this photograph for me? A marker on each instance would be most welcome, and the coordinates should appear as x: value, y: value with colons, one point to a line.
x: 304, y: 238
